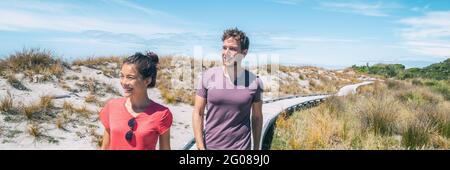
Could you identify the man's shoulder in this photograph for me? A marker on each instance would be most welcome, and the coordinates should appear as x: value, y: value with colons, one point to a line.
x: 211, y: 71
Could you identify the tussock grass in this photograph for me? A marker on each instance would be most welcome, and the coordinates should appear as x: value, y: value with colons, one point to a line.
x: 46, y: 102
x: 385, y: 115
x: 90, y: 98
x: 34, y: 130
x: 33, y: 62
x: 6, y: 103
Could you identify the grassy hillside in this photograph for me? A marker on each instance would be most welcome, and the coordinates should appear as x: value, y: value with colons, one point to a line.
x: 386, y: 115
x: 437, y: 71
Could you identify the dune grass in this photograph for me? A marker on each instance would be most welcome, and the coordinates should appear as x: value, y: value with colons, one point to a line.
x: 110, y: 66
x: 34, y: 130
x: 6, y: 103
x: 34, y: 61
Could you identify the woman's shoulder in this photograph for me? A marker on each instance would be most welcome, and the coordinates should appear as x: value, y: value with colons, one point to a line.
x: 159, y: 107
x: 115, y: 101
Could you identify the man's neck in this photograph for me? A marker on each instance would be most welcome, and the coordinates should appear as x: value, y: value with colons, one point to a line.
x: 233, y: 72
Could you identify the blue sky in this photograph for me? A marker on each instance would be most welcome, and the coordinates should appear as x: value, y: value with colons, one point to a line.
x: 326, y: 33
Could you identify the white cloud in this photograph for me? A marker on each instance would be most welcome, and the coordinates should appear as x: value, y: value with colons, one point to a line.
x: 428, y: 34
x: 62, y: 17
x: 377, y: 9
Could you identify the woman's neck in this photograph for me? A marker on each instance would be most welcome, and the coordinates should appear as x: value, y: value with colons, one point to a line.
x: 139, y: 102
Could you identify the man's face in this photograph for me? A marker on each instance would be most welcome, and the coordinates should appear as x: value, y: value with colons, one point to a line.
x: 231, y: 52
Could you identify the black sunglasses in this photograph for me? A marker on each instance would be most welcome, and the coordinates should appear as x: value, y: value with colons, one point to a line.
x: 129, y: 134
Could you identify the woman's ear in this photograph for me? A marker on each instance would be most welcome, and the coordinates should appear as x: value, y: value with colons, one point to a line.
x: 147, y: 81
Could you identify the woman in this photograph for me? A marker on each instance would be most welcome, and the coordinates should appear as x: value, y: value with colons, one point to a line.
x: 135, y: 122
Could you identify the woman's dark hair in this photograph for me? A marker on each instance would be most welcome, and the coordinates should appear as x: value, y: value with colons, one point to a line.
x: 145, y: 64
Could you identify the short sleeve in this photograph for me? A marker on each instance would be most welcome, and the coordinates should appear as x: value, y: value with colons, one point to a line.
x: 165, y: 122
x: 202, y: 91
x: 259, y: 90
x: 104, y: 116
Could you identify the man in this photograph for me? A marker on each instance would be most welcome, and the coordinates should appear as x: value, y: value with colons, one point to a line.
x: 229, y: 93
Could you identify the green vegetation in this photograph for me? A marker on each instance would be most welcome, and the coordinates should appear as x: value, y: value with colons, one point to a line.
x: 437, y: 71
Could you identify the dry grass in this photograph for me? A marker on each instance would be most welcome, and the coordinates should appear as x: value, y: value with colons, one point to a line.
x: 96, y: 62
x: 90, y: 98
x: 379, y: 115
x: 34, y: 130
x: 46, y: 102
x: 83, y: 111
x: 43, y: 110
x: 96, y: 138
x: 3, y: 67
x: 6, y: 103
x: 110, y: 66
x: 67, y: 106
x: 31, y: 112
x: 35, y: 62
x: 110, y: 89
x: 66, y: 87
x: 73, y: 77
x: 14, y: 82
x: 390, y: 115
x: 290, y: 86
x: 59, y: 122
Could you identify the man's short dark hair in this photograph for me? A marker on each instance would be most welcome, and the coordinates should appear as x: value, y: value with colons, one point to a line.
x: 238, y: 35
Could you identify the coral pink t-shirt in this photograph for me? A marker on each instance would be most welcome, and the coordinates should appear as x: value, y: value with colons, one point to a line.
x: 151, y: 123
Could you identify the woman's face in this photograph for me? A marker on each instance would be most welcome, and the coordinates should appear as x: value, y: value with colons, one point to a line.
x: 132, y: 81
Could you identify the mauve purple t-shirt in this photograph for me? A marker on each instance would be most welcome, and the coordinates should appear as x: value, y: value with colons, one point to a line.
x: 227, y: 124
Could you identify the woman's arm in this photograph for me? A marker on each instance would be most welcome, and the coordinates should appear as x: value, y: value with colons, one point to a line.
x: 164, y: 140
x: 105, y: 142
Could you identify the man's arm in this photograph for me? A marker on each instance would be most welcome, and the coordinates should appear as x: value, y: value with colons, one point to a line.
x: 197, y: 121
x: 257, y: 121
